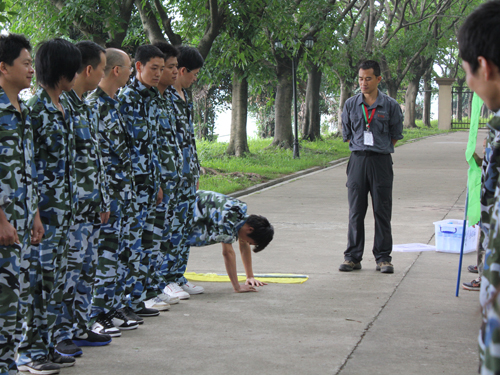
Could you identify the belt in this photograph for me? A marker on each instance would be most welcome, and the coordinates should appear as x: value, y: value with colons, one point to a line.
x: 367, y: 153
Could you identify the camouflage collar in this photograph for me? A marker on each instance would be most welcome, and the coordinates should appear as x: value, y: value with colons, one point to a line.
x: 104, y: 96
x: 6, y: 105
x: 44, y: 97
x: 75, y: 99
x: 494, y: 123
x: 145, y: 92
x: 176, y: 94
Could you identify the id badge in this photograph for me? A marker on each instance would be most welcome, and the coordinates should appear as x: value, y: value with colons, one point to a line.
x: 368, y: 139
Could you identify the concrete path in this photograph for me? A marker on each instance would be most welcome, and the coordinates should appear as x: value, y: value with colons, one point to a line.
x: 361, y: 322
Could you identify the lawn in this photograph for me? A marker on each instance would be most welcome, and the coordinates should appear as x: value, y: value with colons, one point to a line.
x: 227, y: 174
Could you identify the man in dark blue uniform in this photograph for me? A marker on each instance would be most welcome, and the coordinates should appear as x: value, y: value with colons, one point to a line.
x: 372, y: 123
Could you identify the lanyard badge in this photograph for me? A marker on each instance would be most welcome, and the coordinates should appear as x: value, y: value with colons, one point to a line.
x: 368, y: 135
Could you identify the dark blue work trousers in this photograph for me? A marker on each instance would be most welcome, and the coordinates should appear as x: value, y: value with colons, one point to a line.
x: 369, y: 172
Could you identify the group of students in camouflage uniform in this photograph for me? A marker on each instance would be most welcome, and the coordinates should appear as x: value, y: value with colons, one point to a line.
x: 98, y: 195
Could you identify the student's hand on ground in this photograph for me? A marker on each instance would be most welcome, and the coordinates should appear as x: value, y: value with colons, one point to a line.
x: 37, y: 232
x: 105, y: 217
x: 8, y: 234
x: 254, y: 282
x: 246, y: 288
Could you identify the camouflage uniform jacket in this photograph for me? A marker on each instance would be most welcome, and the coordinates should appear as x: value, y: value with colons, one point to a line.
x: 217, y: 218
x: 489, y: 176
x: 185, y: 136
x: 91, y: 180
x: 115, y: 145
x: 139, y: 109
x: 54, y: 158
x: 169, y: 154
x: 18, y: 178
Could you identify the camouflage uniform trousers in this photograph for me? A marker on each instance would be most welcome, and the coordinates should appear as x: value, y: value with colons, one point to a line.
x: 177, y: 249
x: 14, y: 283
x: 141, y: 232
x: 115, y: 254
x: 489, y: 334
x: 164, y: 216
x: 48, y: 266
x: 80, y: 276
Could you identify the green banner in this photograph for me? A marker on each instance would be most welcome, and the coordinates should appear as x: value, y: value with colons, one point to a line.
x: 474, y: 175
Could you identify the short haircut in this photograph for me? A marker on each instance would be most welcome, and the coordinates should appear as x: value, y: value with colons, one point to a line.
x: 478, y: 35
x: 114, y: 57
x: 263, y: 231
x: 167, y: 49
x: 190, y: 58
x: 56, y: 59
x: 91, y: 54
x: 147, y: 52
x: 11, y: 46
x: 370, y: 64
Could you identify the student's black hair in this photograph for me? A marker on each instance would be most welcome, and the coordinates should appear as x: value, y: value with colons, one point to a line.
x: 147, y: 52
x: 478, y: 35
x: 263, y: 231
x: 167, y: 49
x: 370, y: 64
x: 91, y: 54
x: 11, y: 46
x: 190, y: 58
x: 56, y: 59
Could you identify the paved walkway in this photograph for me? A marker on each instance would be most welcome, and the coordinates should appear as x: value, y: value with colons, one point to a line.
x: 361, y: 322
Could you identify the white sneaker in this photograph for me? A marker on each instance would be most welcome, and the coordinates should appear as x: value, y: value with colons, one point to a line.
x: 192, y: 289
x: 174, y: 290
x: 168, y: 299
x: 156, y: 303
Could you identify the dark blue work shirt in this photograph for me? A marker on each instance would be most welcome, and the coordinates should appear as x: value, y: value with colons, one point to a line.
x: 386, y: 125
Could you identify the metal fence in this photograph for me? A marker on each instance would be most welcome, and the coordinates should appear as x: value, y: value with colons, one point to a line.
x: 461, y: 106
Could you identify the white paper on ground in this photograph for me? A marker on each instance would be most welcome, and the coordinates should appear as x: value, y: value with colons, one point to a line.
x: 413, y: 247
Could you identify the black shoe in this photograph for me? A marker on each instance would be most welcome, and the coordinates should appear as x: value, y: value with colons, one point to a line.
x: 90, y: 338
x: 40, y: 366
x: 473, y: 285
x: 62, y: 361
x: 147, y: 312
x: 122, y: 322
x: 68, y: 348
x: 385, y: 267
x: 349, y: 265
x: 472, y: 268
x: 129, y: 313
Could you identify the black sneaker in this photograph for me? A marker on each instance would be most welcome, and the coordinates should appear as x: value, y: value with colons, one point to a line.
x: 40, y: 366
x: 473, y: 285
x: 62, y: 361
x: 472, y: 268
x: 129, y: 313
x: 349, y: 265
x: 90, y: 338
x: 147, y: 312
x: 67, y: 348
x: 122, y: 322
x: 104, y: 326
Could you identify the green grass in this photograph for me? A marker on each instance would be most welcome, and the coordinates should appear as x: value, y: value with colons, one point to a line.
x: 227, y: 174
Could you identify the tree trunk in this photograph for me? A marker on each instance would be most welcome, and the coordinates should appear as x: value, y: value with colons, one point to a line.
x: 283, y: 135
x: 427, y: 98
x: 410, y: 100
x: 238, y: 144
x: 311, y: 128
x: 345, y: 93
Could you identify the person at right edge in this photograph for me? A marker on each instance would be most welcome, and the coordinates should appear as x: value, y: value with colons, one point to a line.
x: 372, y: 123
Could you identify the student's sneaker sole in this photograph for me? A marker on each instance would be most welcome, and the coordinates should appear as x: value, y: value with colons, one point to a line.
x: 54, y: 369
